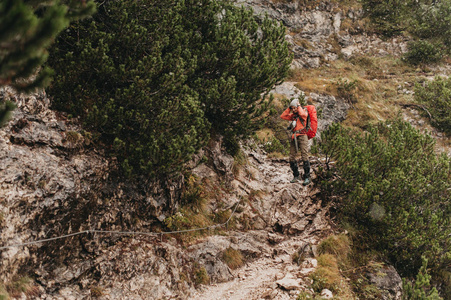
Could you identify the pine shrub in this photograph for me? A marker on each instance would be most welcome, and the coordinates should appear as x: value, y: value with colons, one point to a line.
x: 26, y: 31
x: 387, y: 17
x: 27, y: 28
x: 432, y: 21
x: 422, y: 52
x: 428, y: 22
x: 436, y: 96
x: 395, y: 191
x: 151, y: 78
x: 421, y: 288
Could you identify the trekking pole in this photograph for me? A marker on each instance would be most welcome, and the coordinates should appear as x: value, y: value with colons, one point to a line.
x: 296, y: 141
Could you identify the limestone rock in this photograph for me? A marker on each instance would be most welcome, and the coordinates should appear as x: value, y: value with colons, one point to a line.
x: 289, y: 283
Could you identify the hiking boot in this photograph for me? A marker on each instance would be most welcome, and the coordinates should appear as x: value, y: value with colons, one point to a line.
x: 295, y: 179
x: 294, y: 168
x: 306, y: 172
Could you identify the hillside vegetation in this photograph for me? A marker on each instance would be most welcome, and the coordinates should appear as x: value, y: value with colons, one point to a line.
x: 161, y: 88
x: 151, y: 81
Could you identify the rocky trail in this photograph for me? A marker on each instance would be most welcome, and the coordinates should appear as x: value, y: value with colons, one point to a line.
x: 295, y: 222
x: 273, y: 276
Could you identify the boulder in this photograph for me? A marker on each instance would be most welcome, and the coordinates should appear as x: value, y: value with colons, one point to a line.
x: 388, y: 281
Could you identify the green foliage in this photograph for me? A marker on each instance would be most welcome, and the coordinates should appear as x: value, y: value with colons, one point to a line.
x: 420, y: 289
x: 395, y: 191
x: 388, y: 17
x: 436, y: 96
x: 6, y: 107
x: 240, y: 60
x: 152, y: 77
x: 432, y: 22
x: 27, y: 28
x: 346, y: 89
x: 422, y: 52
x: 428, y: 21
x: 304, y: 296
x: 274, y: 145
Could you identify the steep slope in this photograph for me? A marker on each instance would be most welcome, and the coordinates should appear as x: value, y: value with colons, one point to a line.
x: 53, y: 186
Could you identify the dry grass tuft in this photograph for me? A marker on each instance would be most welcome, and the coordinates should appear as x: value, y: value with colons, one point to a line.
x: 327, y: 276
x: 200, y: 275
x: 96, y: 292
x: 265, y: 134
x: 233, y: 258
x: 21, y: 285
x: 379, y: 82
x: 337, y: 245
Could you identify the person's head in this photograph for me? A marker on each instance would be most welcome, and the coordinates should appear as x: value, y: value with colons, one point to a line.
x: 294, y: 104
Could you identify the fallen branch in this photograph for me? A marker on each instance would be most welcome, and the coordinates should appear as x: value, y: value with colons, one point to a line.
x: 418, y: 106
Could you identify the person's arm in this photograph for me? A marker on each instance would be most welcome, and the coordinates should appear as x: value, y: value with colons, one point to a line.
x: 287, y: 115
x: 302, y: 112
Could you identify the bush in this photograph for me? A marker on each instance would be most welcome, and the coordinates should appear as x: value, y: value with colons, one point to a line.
x: 421, y: 288
x: 395, y: 190
x: 436, y: 96
x: 274, y: 145
x: 152, y: 77
x: 432, y: 21
x: 422, y: 52
x: 388, y: 17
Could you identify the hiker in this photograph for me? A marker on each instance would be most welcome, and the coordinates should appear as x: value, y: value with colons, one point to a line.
x: 299, y: 140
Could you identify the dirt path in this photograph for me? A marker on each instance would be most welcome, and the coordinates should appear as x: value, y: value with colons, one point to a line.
x: 269, y: 277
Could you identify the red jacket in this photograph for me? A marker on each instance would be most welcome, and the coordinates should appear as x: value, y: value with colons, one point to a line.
x: 300, y: 123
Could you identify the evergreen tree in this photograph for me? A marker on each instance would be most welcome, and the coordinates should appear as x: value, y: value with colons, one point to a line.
x: 27, y: 28
x: 150, y: 78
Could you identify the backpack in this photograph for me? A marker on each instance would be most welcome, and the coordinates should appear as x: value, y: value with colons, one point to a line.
x: 312, y: 121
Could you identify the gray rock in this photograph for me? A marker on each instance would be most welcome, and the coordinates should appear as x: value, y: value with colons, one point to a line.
x: 388, y: 281
x: 289, y: 283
